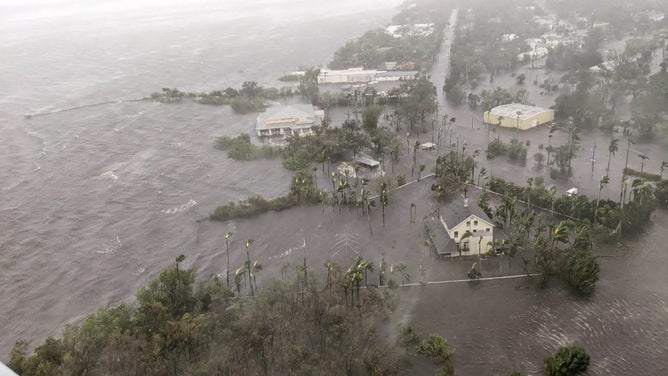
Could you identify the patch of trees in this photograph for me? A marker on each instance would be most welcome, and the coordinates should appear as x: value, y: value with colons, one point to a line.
x: 619, y: 13
x: 375, y: 47
x: 478, y: 48
x: 568, y: 361
x: 302, y: 191
x: 628, y: 216
x: 435, y: 347
x: 571, y: 57
x: 249, y: 98
x: 241, y: 148
x: 514, y: 150
x: 417, y: 100
x: 593, y: 103
x: 180, y: 326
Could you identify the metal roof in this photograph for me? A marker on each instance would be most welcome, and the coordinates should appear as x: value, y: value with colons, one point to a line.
x: 510, y: 111
x: 367, y: 161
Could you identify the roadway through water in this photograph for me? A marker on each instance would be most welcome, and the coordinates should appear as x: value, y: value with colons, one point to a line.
x: 498, y: 326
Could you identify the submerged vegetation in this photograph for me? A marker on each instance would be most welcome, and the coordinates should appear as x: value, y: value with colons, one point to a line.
x: 302, y: 191
x: 180, y: 326
x: 241, y: 148
x: 249, y: 98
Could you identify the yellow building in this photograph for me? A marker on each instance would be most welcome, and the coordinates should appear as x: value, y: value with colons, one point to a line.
x: 517, y: 115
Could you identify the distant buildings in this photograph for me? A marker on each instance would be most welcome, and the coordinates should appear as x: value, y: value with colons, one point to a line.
x: 416, y: 30
x: 284, y: 121
x: 361, y: 75
x: 518, y: 116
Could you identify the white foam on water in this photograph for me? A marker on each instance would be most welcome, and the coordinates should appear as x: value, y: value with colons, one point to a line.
x: 181, y: 208
x: 109, y: 175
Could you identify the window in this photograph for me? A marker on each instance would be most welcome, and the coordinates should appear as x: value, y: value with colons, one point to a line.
x: 487, y: 229
x: 475, y: 223
x: 464, y: 247
x: 456, y: 234
x: 468, y: 223
x: 474, y: 231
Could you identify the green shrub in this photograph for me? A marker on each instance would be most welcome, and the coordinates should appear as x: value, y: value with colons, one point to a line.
x: 568, y: 361
x: 407, y: 336
x: 436, y: 348
x: 515, y: 150
x: 241, y: 148
x: 580, y: 271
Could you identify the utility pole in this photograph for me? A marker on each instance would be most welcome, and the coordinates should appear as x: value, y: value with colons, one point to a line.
x: 628, y: 148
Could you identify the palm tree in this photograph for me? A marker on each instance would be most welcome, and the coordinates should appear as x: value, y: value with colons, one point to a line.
x: 416, y: 147
x: 482, y: 175
x: 403, y: 270
x: 530, y: 185
x: 559, y: 234
x: 612, y: 149
x: 466, y: 235
x: 439, y: 193
x: 382, y: 270
x: 420, y: 171
x: 353, y: 275
x: 227, y: 252
x: 238, y: 274
x: 643, y: 158
x: 179, y: 260
x: 664, y: 165
x: 363, y: 266
x: 384, y: 198
x: 248, y: 264
x: 256, y: 268
x: 604, y: 181
x: 332, y: 268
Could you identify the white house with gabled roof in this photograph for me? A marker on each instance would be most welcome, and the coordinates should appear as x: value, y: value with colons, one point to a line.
x: 469, y: 229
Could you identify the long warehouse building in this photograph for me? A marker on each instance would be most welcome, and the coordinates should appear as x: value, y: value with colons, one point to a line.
x: 519, y: 116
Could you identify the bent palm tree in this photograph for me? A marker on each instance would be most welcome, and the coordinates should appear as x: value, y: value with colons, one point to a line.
x: 612, y: 149
x: 604, y: 181
x: 332, y: 268
x: 256, y: 268
x: 643, y: 158
x: 238, y: 274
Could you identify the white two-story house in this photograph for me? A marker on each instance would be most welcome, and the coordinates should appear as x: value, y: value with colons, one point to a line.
x: 469, y: 229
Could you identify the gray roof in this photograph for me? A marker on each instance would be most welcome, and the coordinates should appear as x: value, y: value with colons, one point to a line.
x: 460, y: 208
x: 510, y: 111
x: 367, y: 161
x: 296, y: 115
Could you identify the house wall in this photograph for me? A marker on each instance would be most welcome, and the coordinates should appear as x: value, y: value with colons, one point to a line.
x: 524, y: 124
x: 482, y: 226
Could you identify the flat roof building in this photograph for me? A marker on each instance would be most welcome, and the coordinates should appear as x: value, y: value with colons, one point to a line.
x: 516, y: 115
x: 361, y: 75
